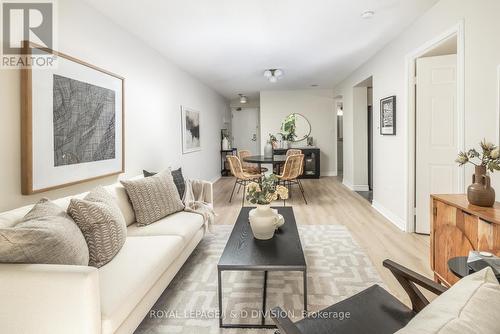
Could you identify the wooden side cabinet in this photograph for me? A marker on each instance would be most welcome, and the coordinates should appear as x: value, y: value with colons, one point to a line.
x: 457, y: 228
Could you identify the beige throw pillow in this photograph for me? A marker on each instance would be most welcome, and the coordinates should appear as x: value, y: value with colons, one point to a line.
x: 46, y: 235
x: 153, y: 197
x: 470, y: 306
x: 102, y: 224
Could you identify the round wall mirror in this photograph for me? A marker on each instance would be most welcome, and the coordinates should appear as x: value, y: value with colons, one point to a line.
x: 295, y: 127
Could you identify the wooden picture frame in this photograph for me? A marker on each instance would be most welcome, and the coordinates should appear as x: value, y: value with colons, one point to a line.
x: 388, y: 116
x: 68, y: 172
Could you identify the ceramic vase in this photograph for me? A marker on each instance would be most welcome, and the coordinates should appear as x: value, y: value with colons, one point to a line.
x: 264, y: 221
x: 225, y: 144
x: 268, y: 150
x: 480, y: 192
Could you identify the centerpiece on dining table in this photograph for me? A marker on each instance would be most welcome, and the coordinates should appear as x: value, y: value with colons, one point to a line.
x: 263, y: 219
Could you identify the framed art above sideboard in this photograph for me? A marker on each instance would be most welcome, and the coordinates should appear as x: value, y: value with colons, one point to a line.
x: 72, y: 123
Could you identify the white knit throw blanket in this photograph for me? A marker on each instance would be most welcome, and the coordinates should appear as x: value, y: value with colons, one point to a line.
x: 194, y: 202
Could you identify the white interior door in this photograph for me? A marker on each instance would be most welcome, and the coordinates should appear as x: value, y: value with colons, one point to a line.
x: 436, y: 133
x: 245, y: 127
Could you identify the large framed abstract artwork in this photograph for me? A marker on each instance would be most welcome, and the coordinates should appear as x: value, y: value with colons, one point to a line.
x: 72, y: 123
x: 388, y: 116
x: 191, y: 140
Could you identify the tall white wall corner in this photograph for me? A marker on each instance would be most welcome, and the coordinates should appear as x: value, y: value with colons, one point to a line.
x: 400, y: 223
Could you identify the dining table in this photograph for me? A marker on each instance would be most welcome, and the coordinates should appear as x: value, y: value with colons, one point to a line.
x: 275, y: 160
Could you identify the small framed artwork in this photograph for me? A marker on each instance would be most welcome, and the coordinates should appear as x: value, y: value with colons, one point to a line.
x: 191, y: 140
x: 72, y: 120
x: 388, y: 116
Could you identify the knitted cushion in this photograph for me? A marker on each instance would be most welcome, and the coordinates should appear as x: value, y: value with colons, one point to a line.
x: 179, y: 181
x: 153, y: 197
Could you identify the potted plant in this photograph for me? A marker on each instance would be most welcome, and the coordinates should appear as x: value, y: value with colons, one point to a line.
x: 288, y: 129
x: 264, y: 220
x: 480, y: 191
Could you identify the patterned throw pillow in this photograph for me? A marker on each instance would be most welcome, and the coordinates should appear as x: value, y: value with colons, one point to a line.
x: 102, y: 224
x: 180, y: 184
x: 46, y: 235
x: 153, y: 197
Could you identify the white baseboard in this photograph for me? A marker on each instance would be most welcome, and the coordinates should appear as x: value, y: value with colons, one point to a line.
x: 400, y: 223
x: 347, y: 184
x: 329, y: 173
x: 215, y: 179
x: 356, y: 187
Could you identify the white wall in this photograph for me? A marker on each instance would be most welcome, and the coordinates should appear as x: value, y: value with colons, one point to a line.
x: 154, y: 91
x: 317, y: 105
x: 482, y: 56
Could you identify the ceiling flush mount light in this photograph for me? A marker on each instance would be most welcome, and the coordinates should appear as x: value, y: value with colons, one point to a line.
x: 273, y: 74
x: 368, y: 14
x: 243, y: 99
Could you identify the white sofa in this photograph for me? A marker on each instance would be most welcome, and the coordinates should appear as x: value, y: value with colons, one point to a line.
x: 41, y: 298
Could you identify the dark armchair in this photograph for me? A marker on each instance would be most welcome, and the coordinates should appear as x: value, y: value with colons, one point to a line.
x: 373, y: 310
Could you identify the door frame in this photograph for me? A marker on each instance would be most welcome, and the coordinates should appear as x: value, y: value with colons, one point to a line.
x: 410, y: 65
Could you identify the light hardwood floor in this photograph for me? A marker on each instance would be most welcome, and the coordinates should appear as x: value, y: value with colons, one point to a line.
x: 330, y: 202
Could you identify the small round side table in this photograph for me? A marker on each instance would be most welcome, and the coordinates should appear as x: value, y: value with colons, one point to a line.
x: 459, y: 267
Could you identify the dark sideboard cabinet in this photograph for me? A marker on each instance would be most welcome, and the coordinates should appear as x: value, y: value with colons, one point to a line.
x: 311, y: 161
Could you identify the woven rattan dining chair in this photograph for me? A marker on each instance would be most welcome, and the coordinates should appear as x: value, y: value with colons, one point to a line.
x: 249, y: 167
x: 290, y: 152
x: 291, y: 171
x: 293, y: 151
x: 242, y: 178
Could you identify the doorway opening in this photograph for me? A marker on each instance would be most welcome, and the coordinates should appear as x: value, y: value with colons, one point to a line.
x: 245, y: 127
x: 435, y: 124
x: 363, y: 138
x: 340, y: 140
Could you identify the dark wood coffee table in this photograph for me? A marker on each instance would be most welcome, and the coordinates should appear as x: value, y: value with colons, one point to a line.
x: 245, y: 253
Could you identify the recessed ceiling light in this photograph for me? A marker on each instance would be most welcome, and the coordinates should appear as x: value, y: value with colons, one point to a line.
x: 368, y: 14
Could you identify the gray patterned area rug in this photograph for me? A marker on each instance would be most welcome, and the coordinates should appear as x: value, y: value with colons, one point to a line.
x: 337, y: 268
